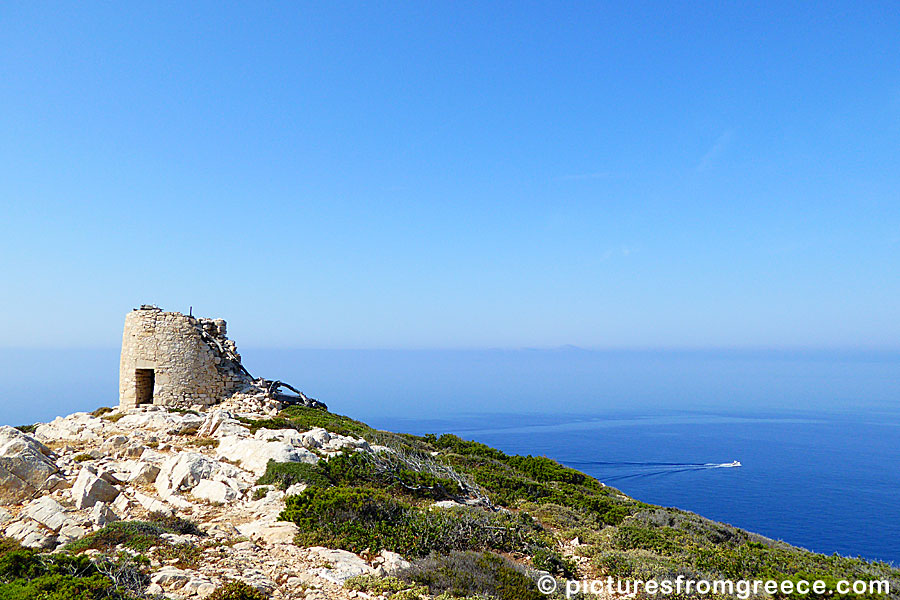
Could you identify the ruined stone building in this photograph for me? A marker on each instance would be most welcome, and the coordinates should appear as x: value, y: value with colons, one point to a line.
x: 177, y: 360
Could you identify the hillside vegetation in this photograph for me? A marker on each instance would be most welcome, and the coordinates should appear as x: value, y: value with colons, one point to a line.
x: 530, y: 509
x: 363, y: 514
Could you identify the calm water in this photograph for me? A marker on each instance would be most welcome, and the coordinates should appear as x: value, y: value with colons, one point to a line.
x: 818, y: 433
x: 828, y: 483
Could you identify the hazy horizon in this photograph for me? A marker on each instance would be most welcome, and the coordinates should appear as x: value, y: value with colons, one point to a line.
x: 40, y: 384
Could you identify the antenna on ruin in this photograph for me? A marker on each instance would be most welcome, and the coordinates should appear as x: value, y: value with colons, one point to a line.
x: 190, y: 311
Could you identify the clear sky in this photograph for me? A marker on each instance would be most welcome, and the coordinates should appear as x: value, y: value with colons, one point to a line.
x: 453, y: 175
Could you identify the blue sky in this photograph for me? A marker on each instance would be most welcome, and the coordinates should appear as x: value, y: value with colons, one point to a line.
x: 453, y: 175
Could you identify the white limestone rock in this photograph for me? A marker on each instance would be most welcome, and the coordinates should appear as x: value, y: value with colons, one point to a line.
x: 48, y: 512
x: 297, y: 488
x: 272, y: 532
x: 101, y: 514
x: 170, y: 578
x: 31, y: 534
x: 392, y: 562
x: 220, y: 423
x: 143, y: 473
x: 24, y: 466
x: 183, y: 471
x: 92, y: 487
x: 153, y: 504
x: 254, y: 454
x: 344, y: 565
x: 77, y: 427
x: 214, y: 491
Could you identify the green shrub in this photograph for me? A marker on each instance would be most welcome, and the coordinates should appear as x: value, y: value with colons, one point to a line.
x: 30, y: 575
x: 260, y: 493
x: 284, y: 475
x: 204, y: 442
x: 303, y: 418
x: 545, y: 470
x: 358, y: 518
x: 82, y: 457
x: 457, y: 445
x: 183, y: 556
x: 553, y: 562
x: 237, y: 590
x: 373, y: 584
x: 358, y: 468
x: 101, y: 411
x: 27, y: 428
x: 137, y: 535
x: 467, y: 574
x: 174, y: 524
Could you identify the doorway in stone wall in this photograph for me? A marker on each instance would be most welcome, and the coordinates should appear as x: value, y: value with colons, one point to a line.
x: 144, y: 380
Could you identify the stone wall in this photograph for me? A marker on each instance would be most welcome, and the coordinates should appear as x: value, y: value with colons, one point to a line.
x: 187, y: 360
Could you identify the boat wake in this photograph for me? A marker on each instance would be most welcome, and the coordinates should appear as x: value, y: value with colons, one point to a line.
x: 617, y: 471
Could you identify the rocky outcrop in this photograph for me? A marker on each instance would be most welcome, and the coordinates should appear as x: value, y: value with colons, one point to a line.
x: 254, y: 454
x: 203, y: 467
x: 91, y: 487
x: 25, y: 466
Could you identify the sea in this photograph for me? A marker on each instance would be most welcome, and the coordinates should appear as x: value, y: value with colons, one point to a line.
x: 816, y: 433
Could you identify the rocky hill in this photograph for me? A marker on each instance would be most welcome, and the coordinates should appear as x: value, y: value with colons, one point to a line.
x: 238, y: 502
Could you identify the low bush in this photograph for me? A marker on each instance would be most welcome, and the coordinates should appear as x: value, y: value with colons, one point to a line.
x: 303, y: 418
x: 174, y: 524
x: 360, y: 469
x: 137, y: 535
x: 553, y: 562
x: 237, y: 590
x: 372, y: 584
x: 357, y: 518
x: 101, y: 411
x: 27, y: 428
x: 284, y: 475
x: 467, y: 574
x: 204, y: 442
x: 29, y: 575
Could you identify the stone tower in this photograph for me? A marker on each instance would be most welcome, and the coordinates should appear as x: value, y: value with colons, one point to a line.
x: 177, y: 360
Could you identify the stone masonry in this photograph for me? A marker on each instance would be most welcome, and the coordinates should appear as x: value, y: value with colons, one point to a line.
x: 176, y: 360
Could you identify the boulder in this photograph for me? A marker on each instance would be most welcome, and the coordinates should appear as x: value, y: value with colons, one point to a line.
x: 273, y: 532
x: 170, y: 578
x: 344, y: 565
x: 214, y: 491
x: 221, y: 422
x: 24, y: 466
x: 153, y: 505
x: 48, y: 512
x: 392, y: 562
x: 183, y: 471
x: 297, y: 488
x: 254, y: 454
x: 31, y: 534
x: 77, y: 427
x: 143, y: 473
x: 315, y: 438
x: 101, y: 514
x: 90, y: 488
x: 160, y: 420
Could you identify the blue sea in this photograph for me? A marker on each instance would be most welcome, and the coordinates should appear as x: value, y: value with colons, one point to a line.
x: 817, y: 433
x: 828, y: 483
